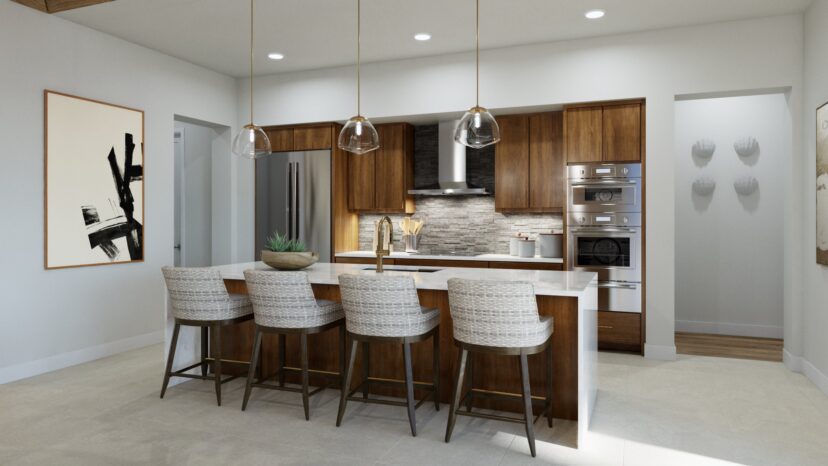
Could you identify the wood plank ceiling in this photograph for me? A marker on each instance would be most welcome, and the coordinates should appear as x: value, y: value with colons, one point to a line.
x: 55, y: 6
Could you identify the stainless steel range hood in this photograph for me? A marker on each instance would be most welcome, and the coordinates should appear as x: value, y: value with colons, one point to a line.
x: 452, y: 167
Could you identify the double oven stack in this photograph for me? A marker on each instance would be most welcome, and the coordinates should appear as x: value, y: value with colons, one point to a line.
x: 604, y: 230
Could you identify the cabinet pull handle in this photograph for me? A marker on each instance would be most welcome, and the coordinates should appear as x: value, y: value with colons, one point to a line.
x: 605, y: 326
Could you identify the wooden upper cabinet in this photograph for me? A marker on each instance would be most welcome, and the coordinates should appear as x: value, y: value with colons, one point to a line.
x: 512, y: 164
x: 529, y: 163
x: 361, y: 175
x: 547, y: 167
x: 312, y: 138
x: 622, y: 133
x: 379, y: 180
x: 584, y: 134
x: 281, y: 139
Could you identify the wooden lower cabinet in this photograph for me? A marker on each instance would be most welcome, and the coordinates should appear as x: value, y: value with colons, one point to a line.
x: 619, y: 331
x: 442, y: 263
x: 453, y: 263
x: 363, y: 260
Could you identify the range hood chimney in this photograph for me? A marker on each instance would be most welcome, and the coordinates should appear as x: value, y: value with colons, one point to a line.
x: 452, y: 166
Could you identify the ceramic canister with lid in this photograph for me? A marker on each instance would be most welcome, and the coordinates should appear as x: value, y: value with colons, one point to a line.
x: 514, y: 241
x: 526, y: 247
x: 550, y: 245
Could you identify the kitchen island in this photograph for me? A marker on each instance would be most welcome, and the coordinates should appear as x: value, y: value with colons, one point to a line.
x: 570, y: 297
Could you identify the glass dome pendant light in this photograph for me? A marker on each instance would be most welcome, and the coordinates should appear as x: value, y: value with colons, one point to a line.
x: 478, y: 128
x: 358, y: 135
x: 251, y: 141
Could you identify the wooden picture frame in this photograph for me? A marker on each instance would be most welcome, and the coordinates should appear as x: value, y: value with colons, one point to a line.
x: 93, y: 182
x: 822, y: 184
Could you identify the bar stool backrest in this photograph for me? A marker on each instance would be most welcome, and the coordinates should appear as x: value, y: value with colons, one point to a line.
x: 196, y: 293
x: 283, y: 299
x: 493, y: 313
x: 382, y: 305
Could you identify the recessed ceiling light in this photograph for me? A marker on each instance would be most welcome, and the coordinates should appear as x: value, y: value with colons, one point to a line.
x: 422, y: 36
x: 275, y: 56
x: 595, y: 14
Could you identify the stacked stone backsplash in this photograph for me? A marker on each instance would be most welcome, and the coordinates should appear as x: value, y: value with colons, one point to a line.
x: 460, y: 225
x: 464, y: 226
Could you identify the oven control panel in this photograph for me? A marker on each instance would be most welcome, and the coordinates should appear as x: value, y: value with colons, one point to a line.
x: 615, y: 219
x: 604, y: 170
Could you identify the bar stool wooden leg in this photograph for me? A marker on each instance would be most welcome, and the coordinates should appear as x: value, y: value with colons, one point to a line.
x: 459, y: 372
x: 254, y: 360
x: 204, y: 351
x: 282, y: 351
x: 470, y: 376
x: 366, y: 368
x: 303, y: 338
x: 170, y: 358
x: 436, y: 369
x: 549, y: 380
x: 527, y: 401
x: 409, y: 388
x: 217, y: 360
x: 343, y: 400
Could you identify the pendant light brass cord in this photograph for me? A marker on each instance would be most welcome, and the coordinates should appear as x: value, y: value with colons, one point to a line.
x: 359, y: 44
x: 251, y: 62
x: 477, y: 53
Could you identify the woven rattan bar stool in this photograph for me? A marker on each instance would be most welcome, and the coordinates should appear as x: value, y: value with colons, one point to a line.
x: 498, y: 318
x: 200, y: 299
x: 283, y: 303
x: 386, y: 309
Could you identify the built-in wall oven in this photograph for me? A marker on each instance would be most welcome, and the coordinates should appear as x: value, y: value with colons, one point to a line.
x: 604, y: 231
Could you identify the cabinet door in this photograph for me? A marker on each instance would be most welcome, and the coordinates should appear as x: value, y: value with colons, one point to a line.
x: 512, y: 164
x: 390, y: 168
x: 361, y: 175
x: 281, y: 139
x: 583, y: 135
x: 547, y: 190
x: 312, y: 138
x: 622, y: 133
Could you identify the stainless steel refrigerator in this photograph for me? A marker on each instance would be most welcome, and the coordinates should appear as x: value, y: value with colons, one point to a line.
x: 293, y: 197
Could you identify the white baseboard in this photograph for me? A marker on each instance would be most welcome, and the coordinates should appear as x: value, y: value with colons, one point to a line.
x: 60, y: 361
x: 660, y: 352
x: 802, y: 365
x: 725, y: 328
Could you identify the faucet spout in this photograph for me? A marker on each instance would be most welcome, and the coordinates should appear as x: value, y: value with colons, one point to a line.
x: 382, y: 250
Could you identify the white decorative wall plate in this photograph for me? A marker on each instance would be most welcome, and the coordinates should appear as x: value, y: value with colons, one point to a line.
x: 745, y: 185
x: 704, y: 148
x: 704, y: 185
x: 746, y: 146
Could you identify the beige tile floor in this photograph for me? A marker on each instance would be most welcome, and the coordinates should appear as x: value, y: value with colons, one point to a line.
x: 696, y: 410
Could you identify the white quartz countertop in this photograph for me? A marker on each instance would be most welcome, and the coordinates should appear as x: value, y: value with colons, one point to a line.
x: 479, y: 257
x: 546, y: 282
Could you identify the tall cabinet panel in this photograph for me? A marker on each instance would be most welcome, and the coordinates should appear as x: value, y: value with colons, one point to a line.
x: 584, y: 131
x: 622, y: 133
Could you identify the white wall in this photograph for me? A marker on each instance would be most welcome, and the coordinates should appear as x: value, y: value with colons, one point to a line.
x: 814, y: 323
x: 658, y: 65
x: 50, y: 319
x: 729, y: 246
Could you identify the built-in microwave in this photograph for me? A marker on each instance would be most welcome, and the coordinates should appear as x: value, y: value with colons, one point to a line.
x: 604, y: 188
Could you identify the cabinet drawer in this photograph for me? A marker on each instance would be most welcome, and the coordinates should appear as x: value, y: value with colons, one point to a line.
x: 619, y: 330
x: 442, y: 263
x: 525, y: 265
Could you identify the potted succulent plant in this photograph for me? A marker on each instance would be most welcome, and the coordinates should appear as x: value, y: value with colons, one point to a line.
x: 287, y: 254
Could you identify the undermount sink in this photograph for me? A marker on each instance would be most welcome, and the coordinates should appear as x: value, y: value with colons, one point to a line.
x: 391, y: 268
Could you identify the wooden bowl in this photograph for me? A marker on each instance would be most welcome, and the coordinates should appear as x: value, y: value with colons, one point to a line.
x: 289, y: 260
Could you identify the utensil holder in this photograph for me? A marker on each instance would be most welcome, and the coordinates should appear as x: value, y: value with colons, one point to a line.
x: 410, y: 242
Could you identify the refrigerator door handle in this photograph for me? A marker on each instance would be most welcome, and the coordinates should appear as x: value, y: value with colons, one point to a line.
x: 289, y: 210
x: 296, y: 200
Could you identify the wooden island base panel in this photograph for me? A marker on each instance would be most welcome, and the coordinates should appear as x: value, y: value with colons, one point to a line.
x: 490, y: 372
x: 571, y: 298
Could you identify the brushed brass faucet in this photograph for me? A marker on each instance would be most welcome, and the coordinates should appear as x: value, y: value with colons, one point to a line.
x: 381, y: 252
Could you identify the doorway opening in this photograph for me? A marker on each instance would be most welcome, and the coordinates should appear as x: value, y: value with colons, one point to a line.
x: 200, y: 150
x: 731, y: 156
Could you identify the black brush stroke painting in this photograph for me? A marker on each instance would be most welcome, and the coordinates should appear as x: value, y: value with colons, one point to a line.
x: 103, y: 234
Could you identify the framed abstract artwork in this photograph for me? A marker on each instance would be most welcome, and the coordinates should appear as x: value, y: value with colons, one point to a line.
x: 822, y: 185
x: 94, y: 182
